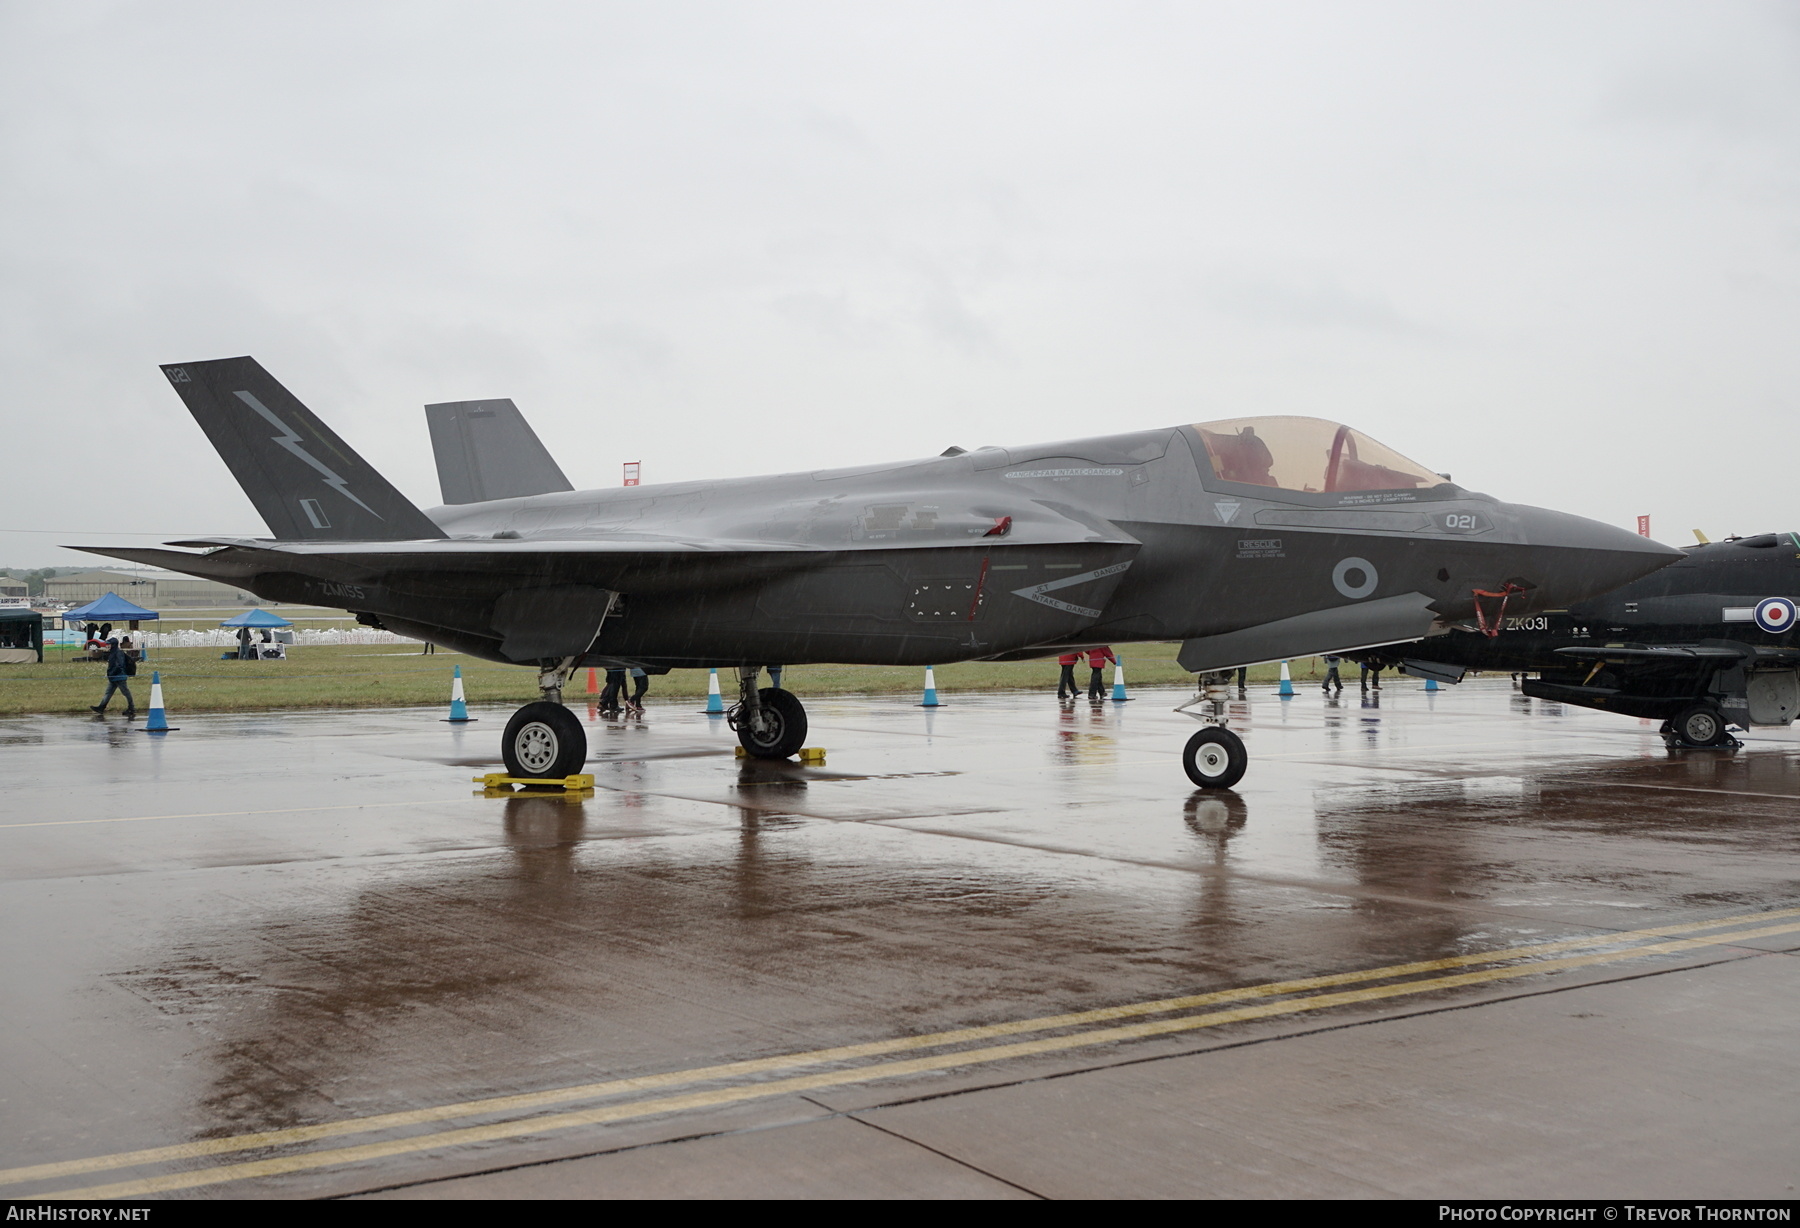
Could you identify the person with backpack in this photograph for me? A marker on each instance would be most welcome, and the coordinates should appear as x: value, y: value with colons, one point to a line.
x: 119, y: 668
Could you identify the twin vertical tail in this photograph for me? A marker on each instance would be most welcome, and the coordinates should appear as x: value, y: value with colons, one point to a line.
x: 306, y: 482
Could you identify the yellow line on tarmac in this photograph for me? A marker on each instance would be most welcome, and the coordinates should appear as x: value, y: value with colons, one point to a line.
x: 862, y: 1074
x: 612, y: 1087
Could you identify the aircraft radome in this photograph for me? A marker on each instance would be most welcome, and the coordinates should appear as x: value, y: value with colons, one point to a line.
x: 1249, y: 540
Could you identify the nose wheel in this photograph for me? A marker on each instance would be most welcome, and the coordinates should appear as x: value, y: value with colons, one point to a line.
x: 1215, y: 758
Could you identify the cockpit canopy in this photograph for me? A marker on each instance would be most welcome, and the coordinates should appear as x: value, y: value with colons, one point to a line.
x: 1307, y: 454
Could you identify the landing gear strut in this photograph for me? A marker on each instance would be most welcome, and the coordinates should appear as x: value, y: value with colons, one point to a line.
x: 1214, y: 758
x: 770, y: 722
x: 543, y: 740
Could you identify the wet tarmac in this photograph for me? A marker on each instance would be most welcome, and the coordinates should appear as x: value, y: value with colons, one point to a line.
x: 1455, y: 944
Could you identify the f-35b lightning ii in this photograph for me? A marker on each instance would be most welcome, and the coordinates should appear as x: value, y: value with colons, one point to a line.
x: 1250, y: 540
x: 1702, y: 645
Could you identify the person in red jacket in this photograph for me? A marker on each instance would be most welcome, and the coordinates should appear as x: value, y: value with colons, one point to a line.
x: 1065, y: 685
x: 1097, y: 659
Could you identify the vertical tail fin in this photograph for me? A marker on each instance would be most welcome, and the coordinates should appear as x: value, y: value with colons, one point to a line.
x: 486, y: 450
x: 307, y: 483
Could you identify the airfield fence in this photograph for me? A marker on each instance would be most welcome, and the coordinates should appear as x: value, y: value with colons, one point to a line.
x: 224, y: 638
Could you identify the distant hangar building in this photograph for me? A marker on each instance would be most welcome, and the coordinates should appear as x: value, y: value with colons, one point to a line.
x: 150, y: 589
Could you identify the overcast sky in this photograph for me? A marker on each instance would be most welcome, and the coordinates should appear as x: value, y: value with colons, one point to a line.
x: 1552, y: 249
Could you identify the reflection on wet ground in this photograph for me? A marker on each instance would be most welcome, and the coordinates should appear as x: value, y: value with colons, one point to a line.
x: 274, y: 921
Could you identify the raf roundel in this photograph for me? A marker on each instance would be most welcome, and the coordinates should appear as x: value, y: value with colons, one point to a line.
x: 1775, y: 614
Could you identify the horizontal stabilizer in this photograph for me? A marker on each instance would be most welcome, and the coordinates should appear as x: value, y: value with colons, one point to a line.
x: 306, y: 482
x: 486, y: 450
x: 1368, y: 624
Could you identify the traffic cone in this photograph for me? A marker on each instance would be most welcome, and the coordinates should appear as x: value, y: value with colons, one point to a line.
x: 1287, y: 682
x: 1119, y: 696
x: 1431, y: 684
x: 158, y: 721
x: 593, y: 681
x: 931, y: 699
x: 715, y: 702
x: 459, y: 711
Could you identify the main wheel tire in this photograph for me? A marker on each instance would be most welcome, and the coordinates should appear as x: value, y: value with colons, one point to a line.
x: 1700, y: 725
x: 544, y: 741
x: 784, y: 725
x: 1215, y: 758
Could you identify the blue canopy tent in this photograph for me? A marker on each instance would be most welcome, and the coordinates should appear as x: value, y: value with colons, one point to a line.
x: 111, y: 608
x: 256, y: 618
x: 244, y: 622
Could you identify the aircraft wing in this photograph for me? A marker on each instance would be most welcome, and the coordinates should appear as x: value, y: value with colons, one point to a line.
x: 641, y: 563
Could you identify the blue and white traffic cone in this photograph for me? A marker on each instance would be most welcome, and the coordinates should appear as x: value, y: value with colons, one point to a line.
x: 715, y: 702
x: 1287, y: 682
x: 459, y: 711
x: 1119, y: 696
x: 931, y: 699
x: 1431, y: 684
x: 158, y: 721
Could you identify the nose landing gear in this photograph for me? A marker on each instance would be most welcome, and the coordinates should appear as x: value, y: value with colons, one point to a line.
x: 1214, y: 758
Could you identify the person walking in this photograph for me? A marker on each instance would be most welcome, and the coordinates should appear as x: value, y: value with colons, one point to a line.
x: 1066, y: 687
x: 610, y: 693
x: 1097, y: 659
x: 1369, y: 672
x: 1331, y: 676
x: 119, y: 667
x: 640, y: 683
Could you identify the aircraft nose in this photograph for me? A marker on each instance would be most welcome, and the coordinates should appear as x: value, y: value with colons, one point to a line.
x: 1585, y: 558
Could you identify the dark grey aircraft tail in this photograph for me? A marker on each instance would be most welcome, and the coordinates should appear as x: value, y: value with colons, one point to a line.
x: 306, y: 482
x: 486, y: 450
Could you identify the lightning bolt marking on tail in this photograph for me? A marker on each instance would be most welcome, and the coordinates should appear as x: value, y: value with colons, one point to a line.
x: 293, y: 443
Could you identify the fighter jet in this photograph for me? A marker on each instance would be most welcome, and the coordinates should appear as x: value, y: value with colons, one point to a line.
x: 1249, y: 540
x: 1703, y: 645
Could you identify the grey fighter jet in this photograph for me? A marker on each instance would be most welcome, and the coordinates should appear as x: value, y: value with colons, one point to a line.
x: 1250, y: 540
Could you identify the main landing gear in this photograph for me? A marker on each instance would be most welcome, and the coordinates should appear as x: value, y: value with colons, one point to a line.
x: 1214, y: 758
x: 544, y: 740
x: 770, y: 722
x: 1699, y: 725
